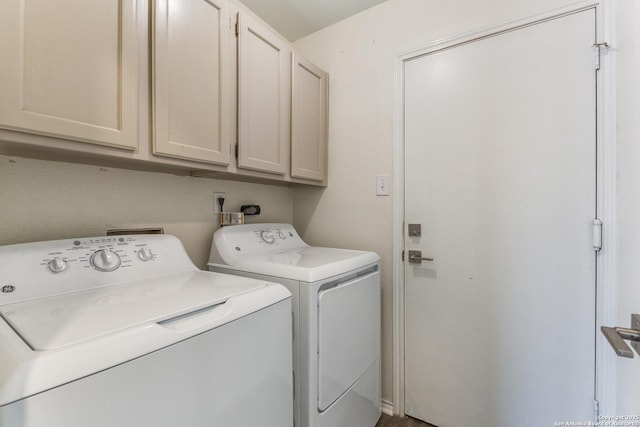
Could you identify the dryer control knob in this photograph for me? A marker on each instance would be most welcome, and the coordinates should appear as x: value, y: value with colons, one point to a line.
x: 145, y: 254
x: 267, y: 236
x: 105, y: 260
x: 58, y: 265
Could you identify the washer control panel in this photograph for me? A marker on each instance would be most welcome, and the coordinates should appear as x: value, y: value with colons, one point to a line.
x: 104, y: 254
x: 34, y: 270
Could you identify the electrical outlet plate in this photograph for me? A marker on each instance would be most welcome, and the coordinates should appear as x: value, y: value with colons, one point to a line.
x: 216, y: 205
x: 635, y: 324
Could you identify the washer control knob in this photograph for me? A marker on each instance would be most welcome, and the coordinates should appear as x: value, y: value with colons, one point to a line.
x: 267, y: 236
x: 105, y: 260
x: 58, y: 265
x: 281, y: 235
x: 145, y: 254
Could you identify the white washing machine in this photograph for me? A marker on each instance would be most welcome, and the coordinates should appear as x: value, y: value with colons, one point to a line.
x: 336, y: 316
x: 126, y: 331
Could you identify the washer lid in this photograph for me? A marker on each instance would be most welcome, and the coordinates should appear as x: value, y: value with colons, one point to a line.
x: 308, y: 264
x: 64, y: 320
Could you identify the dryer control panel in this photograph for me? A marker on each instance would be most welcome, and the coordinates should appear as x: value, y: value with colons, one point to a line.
x: 230, y: 243
x: 274, y: 235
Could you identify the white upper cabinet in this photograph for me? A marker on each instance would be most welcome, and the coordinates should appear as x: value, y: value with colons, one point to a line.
x: 69, y: 69
x: 308, y: 121
x: 264, y: 76
x: 191, y: 80
x: 160, y: 83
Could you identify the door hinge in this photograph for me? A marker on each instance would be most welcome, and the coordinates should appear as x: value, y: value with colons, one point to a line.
x: 596, y: 410
x: 237, y: 24
x: 597, y: 234
x: 402, y: 255
x: 597, y: 51
x: 237, y: 150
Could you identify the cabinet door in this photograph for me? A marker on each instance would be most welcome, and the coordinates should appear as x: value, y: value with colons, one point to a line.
x: 191, y: 80
x: 308, y: 121
x: 69, y: 69
x: 263, y: 98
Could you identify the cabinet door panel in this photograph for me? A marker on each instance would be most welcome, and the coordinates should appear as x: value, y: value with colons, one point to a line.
x: 263, y: 92
x: 69, y: 69
x: 308, y: 121
x: 191, y: 80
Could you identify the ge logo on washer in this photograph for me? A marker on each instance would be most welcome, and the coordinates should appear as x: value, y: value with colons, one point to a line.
x: 8, y: 288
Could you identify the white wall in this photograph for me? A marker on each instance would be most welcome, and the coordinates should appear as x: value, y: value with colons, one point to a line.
x: 42, y: 200
x: 628, y: 52
x: 360, y: 53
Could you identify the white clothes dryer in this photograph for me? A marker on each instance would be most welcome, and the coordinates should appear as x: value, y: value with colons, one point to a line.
x: 336, y: 318
x: 126, y: 331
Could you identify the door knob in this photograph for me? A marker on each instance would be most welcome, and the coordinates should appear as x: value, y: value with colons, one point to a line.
x: 616, y: 337
x: 415, y: 257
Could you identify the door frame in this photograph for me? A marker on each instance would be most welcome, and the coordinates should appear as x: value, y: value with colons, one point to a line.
x: 606, y: 205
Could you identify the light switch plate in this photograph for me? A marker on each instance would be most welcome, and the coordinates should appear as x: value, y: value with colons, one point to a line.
x: 383, y: 185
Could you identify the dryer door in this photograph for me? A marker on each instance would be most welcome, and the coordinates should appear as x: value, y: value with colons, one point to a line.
x: 348, y: 335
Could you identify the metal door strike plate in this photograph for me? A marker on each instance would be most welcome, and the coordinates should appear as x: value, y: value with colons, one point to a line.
x: 635, y: 324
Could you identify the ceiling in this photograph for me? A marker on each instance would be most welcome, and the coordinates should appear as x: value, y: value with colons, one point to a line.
x: 297, y: 18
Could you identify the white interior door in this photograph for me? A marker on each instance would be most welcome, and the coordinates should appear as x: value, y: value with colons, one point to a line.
x: 500, y: 171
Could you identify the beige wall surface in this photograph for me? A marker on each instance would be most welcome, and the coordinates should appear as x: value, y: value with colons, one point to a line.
x: 360, y: 54
x: 42, y: 200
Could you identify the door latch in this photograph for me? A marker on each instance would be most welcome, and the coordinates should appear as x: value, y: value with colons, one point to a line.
x: 415, y: 257
x: 616, y: 337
